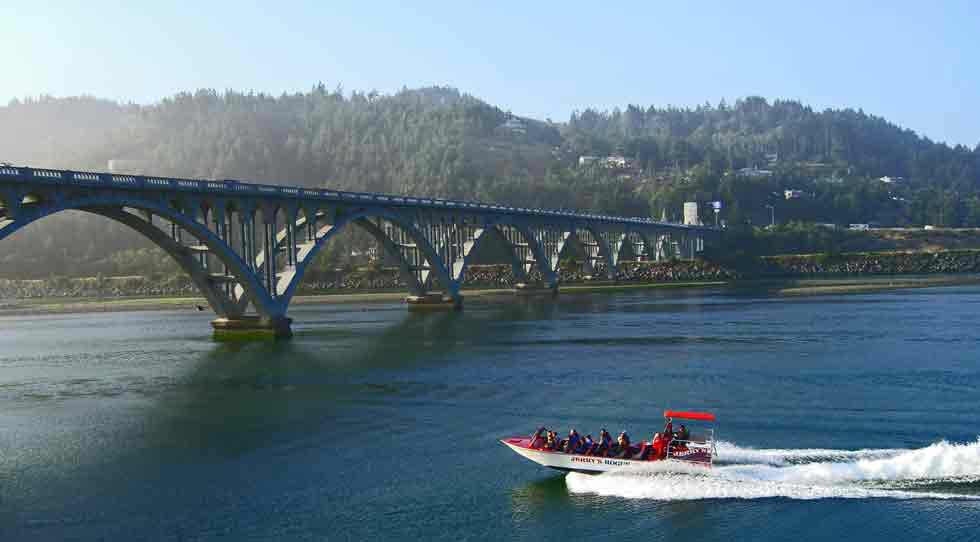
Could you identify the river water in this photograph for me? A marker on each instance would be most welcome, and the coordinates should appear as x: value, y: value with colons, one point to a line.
x: 839, y: 416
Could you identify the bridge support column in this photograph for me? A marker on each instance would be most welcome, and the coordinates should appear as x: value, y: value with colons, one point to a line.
x: 435, y: 301
x: 252, y: 327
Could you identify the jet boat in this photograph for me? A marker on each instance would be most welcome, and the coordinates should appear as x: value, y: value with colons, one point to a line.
x: 697, y: 449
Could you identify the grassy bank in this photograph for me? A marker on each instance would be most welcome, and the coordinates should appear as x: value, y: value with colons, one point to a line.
x: 870, y: 285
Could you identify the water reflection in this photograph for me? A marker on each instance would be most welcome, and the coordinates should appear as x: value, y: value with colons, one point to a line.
x: 237, y: 396
x: 543, y: 500
x: 530, y: 500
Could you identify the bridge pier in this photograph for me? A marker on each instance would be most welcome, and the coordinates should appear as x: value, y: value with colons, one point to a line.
x: 435, y: 301
x: 252, y: 327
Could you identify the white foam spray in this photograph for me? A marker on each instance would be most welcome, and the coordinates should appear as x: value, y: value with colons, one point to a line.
x: 747, y: 473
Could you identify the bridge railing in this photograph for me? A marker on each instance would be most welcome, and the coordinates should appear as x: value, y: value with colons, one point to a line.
x: 140, y: 182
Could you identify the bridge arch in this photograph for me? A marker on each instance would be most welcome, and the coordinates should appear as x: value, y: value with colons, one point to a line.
x: 546, y: 247
x: 629, y: 249
x: 520, y: 267
x: 524, y: 250
x: 527, y: 248
x: 113, y: 207
x: 590, y: 241
x: 415, y: 268
x: 6, y: 209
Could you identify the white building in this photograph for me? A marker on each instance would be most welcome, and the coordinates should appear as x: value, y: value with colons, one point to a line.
x: 792, y: 194
x: 754, y: 172
x: 515, y: 126
x: 691, y: 217
x: 617, y: 162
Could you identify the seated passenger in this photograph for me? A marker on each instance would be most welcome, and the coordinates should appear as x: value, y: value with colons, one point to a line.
x: 572, y: 443
x: 605, y: 443
x: 586, y: 446
x: 538, y: 439
x: 683, y: 434
x: 623, y: 446
x: 658, y: 447
x: 648, y: 449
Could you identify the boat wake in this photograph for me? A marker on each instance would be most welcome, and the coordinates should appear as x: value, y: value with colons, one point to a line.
x: 941, y: 471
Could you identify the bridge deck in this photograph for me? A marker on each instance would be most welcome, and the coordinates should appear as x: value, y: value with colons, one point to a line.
x: 239, y: 188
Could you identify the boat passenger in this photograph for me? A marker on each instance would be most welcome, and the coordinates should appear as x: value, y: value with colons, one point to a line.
x: 669, y: 429
x: 649, y: 448
x: 623, y: 446
x: 555, y: 441
x: 605, y: 442
x: 538, y: 439
x: 572, y: 443
x: 550, y: 442
x: 586, y: 446
x: 683, y: 433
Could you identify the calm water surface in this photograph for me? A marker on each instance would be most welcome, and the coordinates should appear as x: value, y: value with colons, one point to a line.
x: 841, y: 416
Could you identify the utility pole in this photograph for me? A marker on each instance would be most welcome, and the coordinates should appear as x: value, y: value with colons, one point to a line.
x: 772, y: 214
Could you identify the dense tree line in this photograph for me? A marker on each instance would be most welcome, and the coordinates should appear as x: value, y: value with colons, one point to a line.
x: 742, y: 135
x: 835, y: 157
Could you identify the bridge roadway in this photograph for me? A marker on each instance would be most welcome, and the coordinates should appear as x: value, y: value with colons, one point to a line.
x: 247, y: 246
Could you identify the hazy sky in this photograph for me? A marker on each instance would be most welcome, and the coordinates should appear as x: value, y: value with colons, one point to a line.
x: 915, y: 63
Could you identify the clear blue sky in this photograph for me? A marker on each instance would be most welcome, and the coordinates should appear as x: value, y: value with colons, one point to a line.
x: 915, y: 63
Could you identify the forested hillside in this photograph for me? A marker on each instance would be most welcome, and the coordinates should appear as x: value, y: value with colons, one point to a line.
x: 835, y: 158
x: 441, y: 142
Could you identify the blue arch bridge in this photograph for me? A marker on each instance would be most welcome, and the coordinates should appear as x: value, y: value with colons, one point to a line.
x: 247, y: 246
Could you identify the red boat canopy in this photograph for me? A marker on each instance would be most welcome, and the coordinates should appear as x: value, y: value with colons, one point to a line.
x: 703, y: 416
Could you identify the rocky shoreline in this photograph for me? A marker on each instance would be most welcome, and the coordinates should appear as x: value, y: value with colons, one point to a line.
x: 834, y: 274
x: 873, y: 263
x: 479, y: 277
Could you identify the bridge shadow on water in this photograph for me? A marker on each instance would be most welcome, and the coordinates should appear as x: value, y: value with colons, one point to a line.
x: 240, y: 396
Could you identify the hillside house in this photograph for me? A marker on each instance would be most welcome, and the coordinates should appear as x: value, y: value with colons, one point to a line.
x: 754, y: 172
x: 515, y: 126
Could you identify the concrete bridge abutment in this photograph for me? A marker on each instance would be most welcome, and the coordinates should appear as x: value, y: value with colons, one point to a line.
x: 252, y: 327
